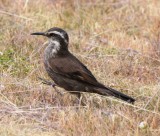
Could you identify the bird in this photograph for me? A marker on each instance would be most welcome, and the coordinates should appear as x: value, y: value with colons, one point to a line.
x: 68, y: 72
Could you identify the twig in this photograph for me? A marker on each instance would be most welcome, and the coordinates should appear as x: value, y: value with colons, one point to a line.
x: 15, y: 15
x: 151, y: 99
x: 26, y: 4
x: 20, y: 110
x: 8, y: 101
x: 131, y: 105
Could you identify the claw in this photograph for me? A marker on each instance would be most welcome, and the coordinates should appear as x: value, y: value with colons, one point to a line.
x: 44, y: 81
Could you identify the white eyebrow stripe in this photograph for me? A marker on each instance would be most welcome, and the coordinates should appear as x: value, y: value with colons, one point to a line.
x: 58, y: 33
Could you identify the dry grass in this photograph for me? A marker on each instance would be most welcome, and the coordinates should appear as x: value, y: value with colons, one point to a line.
x: 119, y: 40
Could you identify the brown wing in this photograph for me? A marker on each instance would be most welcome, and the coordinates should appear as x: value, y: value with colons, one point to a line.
x: 70, y: 67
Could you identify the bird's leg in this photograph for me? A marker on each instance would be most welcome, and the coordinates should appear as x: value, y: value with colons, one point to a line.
x: 44, y: 81
x: 79, y: 97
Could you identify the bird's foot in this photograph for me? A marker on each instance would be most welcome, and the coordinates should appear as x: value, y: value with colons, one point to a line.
x: 79, y: 99
x: 44, y: 81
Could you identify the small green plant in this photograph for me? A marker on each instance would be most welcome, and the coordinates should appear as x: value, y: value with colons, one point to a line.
x: 17, y: 64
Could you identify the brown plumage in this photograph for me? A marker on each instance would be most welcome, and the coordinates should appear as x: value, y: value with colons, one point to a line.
x: 67, y: 71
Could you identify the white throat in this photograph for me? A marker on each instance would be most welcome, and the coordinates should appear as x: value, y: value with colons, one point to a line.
x: 55, y: 46
x: 52, y: 49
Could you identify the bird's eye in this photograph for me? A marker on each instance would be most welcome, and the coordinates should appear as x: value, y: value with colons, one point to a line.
x: 51, y: 34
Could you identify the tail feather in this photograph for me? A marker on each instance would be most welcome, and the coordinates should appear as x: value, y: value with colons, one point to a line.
x: 115, y: 93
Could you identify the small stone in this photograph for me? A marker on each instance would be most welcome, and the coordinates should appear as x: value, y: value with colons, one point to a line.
x: 143, y: 125
x: 1, y: 53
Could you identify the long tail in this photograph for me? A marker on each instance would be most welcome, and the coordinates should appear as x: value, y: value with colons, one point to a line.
x: 109, y: 91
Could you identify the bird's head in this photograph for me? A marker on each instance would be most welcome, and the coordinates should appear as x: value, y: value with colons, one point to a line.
x: 56, y: 35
